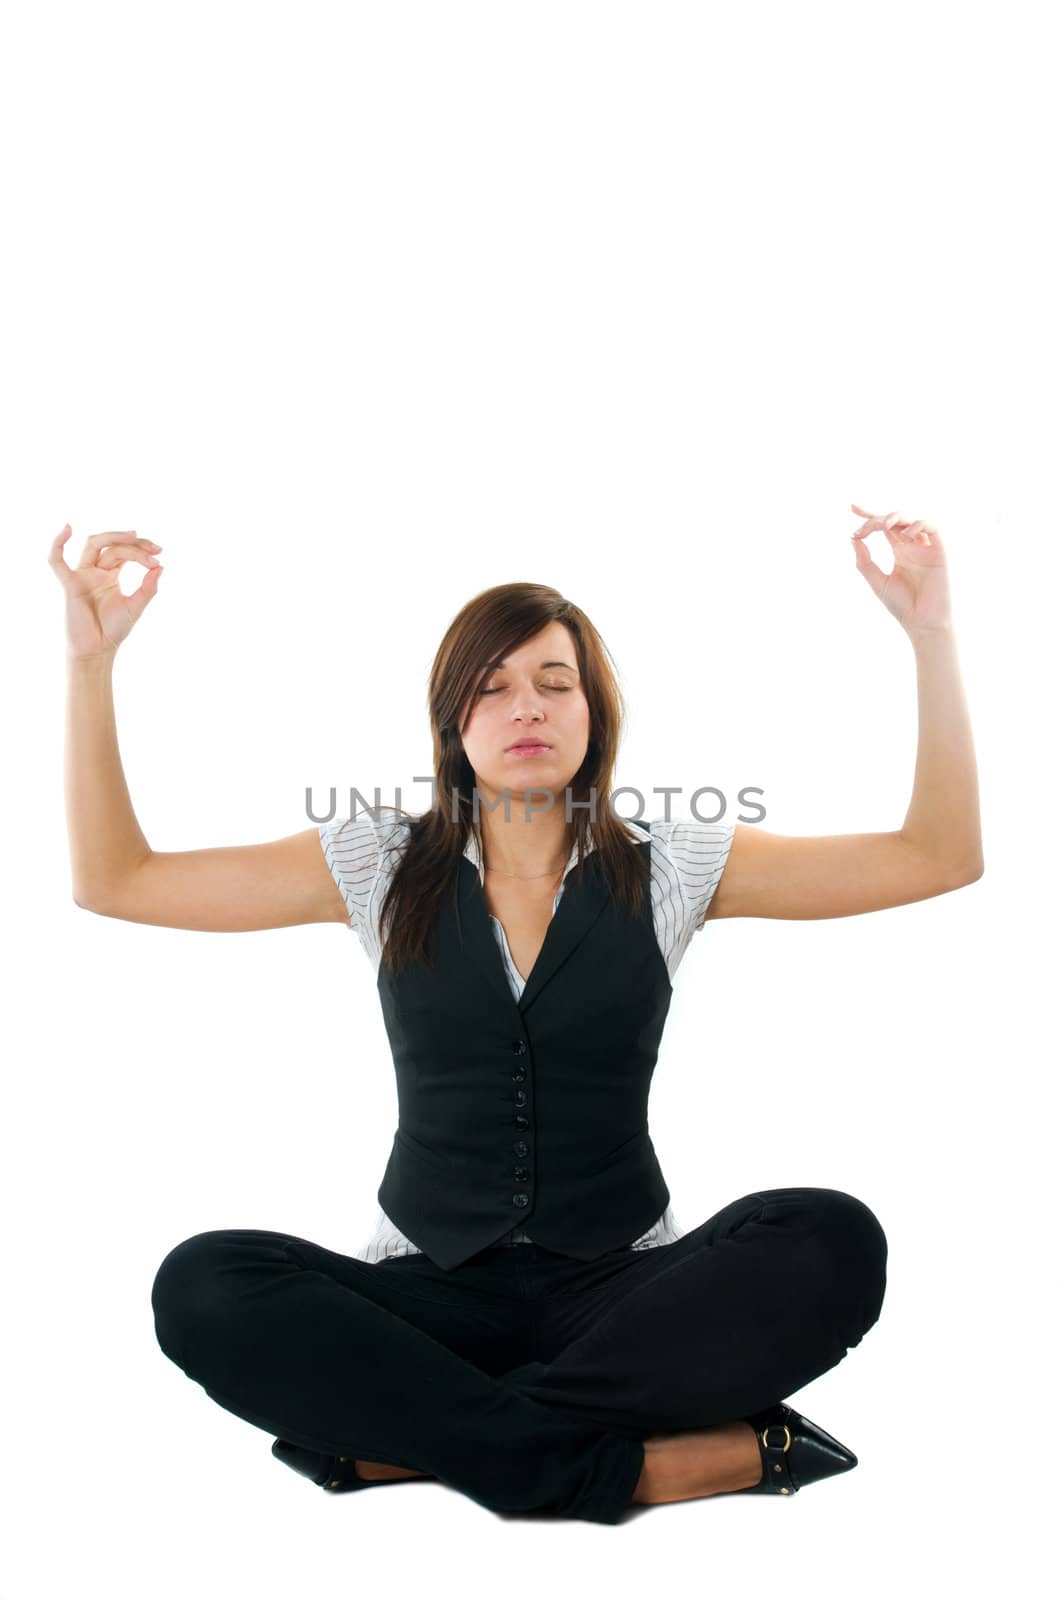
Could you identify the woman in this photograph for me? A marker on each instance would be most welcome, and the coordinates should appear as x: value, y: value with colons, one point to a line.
x: 528, y: 1324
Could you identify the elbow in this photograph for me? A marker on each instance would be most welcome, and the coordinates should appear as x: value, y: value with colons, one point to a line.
x: 969, y: 872
x: 85, y: 902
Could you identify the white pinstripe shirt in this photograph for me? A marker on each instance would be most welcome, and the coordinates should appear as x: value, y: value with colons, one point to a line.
x: 687, y: 858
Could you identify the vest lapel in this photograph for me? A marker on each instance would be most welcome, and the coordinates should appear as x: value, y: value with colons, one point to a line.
x: 585, y: 898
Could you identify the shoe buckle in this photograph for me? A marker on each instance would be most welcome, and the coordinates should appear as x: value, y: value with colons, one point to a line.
x: 785, y: 1429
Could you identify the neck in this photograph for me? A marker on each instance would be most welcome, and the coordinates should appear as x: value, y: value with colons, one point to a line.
x: 534, y: 848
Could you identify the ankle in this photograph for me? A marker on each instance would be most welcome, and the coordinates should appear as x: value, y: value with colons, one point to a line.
x: 702, y: 1461
x: 374, y: 1471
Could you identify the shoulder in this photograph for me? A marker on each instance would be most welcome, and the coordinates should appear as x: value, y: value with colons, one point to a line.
x: 693, y: 830
x: 689, y: 857
x: 688, y: 842
x: 375, y: 829
x: 361, y: 849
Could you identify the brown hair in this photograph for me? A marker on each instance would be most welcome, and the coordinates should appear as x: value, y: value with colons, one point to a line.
x: 494, y: 622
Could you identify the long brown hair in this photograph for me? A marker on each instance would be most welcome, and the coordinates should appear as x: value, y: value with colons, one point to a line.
x: 492, y: 623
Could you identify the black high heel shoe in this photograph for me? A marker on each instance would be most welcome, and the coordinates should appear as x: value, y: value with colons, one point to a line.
x: 794, y: 1451
x: 336, y: 1473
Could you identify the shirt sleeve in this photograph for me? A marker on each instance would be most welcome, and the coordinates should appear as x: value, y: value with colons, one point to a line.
x: 352, y: 849
x: 362, y: 852
x: 699, y: 851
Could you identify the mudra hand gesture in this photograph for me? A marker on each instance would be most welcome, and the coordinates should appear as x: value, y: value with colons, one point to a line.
x: 916, y: 592
x: 98, y: 615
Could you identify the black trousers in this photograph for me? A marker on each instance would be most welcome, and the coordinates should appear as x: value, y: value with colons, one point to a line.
x: 525, y: 1379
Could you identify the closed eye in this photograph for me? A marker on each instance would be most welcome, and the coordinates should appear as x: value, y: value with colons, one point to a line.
x: 558, y: 688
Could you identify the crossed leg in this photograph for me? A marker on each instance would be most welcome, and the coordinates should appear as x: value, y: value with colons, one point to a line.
x: 686, y: 1339
x: 684, y: 1343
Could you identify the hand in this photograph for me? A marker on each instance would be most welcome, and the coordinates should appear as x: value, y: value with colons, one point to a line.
x: 98, y: 614
x: 916, y: 592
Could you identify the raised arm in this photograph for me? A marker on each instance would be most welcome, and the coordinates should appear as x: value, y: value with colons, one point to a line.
x: 114, y: 870
x: 938, y: 847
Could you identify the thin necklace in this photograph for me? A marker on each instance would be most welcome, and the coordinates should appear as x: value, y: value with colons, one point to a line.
x: 532, y: 878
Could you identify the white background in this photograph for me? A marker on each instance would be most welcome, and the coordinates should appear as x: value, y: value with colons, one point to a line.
x: 357, y: 310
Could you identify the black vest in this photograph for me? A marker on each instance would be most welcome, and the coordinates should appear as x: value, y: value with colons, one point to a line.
x: 529, y: 1112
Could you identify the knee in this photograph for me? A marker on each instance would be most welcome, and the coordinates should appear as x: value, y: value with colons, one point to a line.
x: 857, y: 1248
x: 188, y: 1295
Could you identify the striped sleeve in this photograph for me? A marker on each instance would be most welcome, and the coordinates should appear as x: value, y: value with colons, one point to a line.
x: 352, y: 850
x: 362, y: 852
x: 699, y: 851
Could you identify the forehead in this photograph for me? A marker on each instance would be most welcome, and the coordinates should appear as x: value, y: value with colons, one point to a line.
x: 553, y: 644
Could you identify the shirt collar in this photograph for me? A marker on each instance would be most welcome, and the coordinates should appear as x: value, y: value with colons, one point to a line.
x: 472, y: 848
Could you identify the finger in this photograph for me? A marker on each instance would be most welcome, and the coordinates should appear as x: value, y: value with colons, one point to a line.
x: 56, y: 558
x: 875, y: 520
x: 922, y: 526
x: 146, y: 592
x: 901, y: 531
x: 96, y: 542
x: 892, y: 518
x: 871, y: 572
x: 917, y: 533
x: 896, y: 525
x: 117, y: 555
x: 870, y: 568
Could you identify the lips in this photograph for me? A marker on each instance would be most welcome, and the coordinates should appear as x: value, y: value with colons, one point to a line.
x: 529, y: 744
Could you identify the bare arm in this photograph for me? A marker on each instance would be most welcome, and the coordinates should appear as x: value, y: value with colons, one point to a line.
x: 114, y: 870
x: 829, y: 875
x: 938, y: 847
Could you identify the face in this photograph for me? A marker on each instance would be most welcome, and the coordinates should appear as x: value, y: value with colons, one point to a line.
x: 536, y: 696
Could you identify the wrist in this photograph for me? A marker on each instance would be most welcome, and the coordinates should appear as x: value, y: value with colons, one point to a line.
x: 923, y: 636
x: 97, y: 661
